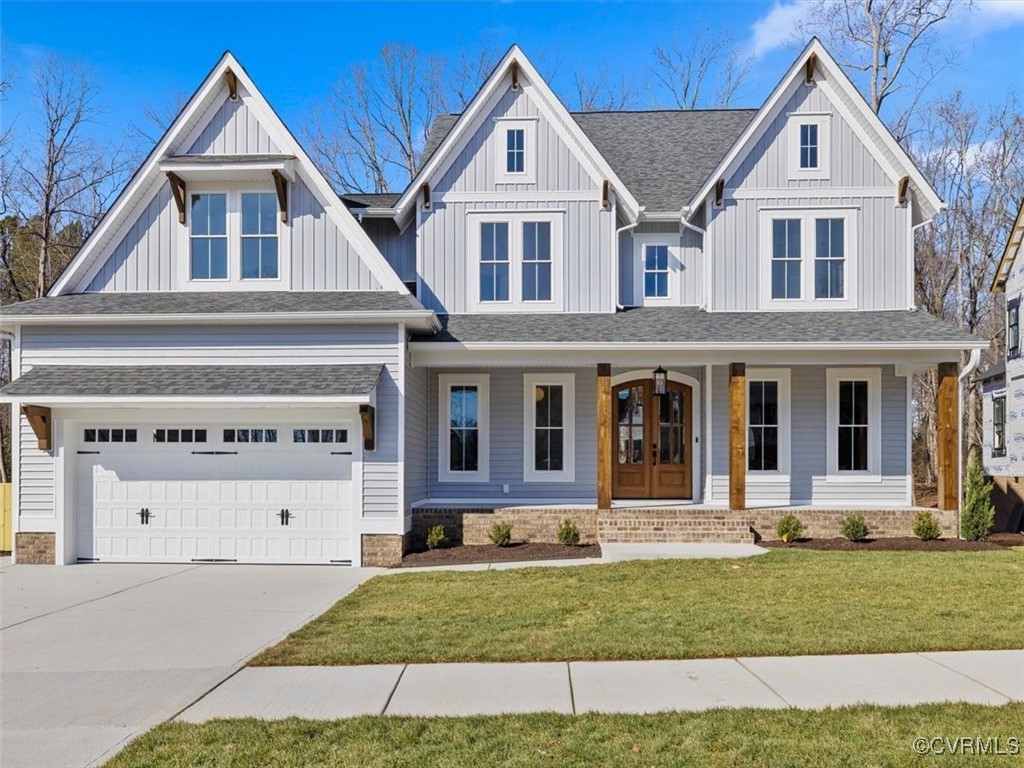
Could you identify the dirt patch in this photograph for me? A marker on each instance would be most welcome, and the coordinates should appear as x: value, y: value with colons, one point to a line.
x: 1008, y: 539
x: 488, y: 553
x: 896, y: 544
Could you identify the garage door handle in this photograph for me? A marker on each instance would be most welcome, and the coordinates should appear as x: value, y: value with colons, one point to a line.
x: 83, y: 453
x: 285, y: 515
x: 214, y: 453
x: 341, y: 453
x: 144, y: 515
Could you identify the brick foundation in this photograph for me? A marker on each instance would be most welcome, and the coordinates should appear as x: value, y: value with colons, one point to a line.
x: 664, y: 526
x: 828, y: 523
x: 383, y: 550
x: 472, y: 526
x: 35, y: 548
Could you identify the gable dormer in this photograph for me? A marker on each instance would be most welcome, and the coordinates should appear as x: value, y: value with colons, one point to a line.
x: 228, y: 201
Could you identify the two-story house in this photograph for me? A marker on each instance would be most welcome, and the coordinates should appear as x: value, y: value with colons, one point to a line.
x: 665, y: 325
x: 1002, y: 388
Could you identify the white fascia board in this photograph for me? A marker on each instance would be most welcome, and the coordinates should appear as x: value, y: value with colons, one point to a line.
x: 552, y: 109
x: 425, y: 320
x: 420, y: 346
x: 195, y: 170
x: 184, y: 400
x: 838, y: 79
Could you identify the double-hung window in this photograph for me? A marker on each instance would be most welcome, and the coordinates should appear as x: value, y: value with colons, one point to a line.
x: 786, y: 259
x: 537, y: 261
x: 655, y: 271
x: 808, y: 145
x: 515, y: 150
x: 259, y: 235
x: 829, y: 258
x: 549, y: 427
x: 208, y: 237
x: 494, y: 262
x: 464, y: 434
x: 854, y: 421
x: 763, y: 427
x: 1013, y: 328
x: 517, y: 260
x: 999, y: 426
x: 853, y: 426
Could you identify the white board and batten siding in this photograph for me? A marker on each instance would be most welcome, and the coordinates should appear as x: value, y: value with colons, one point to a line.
x: 589, y: 246
x: 809, y: 481
x: 224, y: 345
x: 856, y: 181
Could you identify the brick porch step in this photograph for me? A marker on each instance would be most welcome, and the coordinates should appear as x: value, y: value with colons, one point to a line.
x: 647, y: 526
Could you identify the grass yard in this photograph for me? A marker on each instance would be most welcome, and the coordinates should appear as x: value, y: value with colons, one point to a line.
x: 784, y: 603
x: 854, y: 737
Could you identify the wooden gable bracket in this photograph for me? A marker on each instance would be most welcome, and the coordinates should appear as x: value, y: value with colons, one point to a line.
x: 812, y: 63
x: 41, y: 421
x: 281, y: 185
x: 515, y: 75
x: 719, y: 191
x: 425, y: 189
x: 178, y: 191
x: 369, y: 422
x: 605, y: 193
x: 901, y: 190
x: 232, y: 80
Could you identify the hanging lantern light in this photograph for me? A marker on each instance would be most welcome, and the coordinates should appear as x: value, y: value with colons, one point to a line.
x: 660, y: 381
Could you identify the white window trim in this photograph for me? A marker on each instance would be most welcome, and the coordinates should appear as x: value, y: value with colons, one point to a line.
x: 807, y: 218
x: 234, y: 281
x: 824, y: 123
x: 873, y: 376
x: 675, y: 271
x: 482, y: 382
x: 568, y: 383
x: 515, y: 221
x: 783, y: 378
x: 528, y: 125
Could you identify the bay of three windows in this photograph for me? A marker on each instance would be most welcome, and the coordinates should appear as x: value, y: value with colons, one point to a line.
x: 210, y: 237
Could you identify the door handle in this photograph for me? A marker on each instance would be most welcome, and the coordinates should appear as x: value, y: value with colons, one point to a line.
x: 144, y: 515
x: 285, y: 516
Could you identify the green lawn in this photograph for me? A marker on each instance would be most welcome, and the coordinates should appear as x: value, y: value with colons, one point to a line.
x: 854, y: 737
x: 787, y: 602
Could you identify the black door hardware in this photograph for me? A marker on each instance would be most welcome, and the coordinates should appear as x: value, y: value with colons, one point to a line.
x: 83, y: 453
x: 214, y: 453
x: 144, y: 515
x: 341, y: 453
x: 285, y: 515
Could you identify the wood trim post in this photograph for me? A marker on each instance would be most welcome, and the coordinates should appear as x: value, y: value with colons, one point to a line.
x: 41, y: 421
x: 281, y: 186
x: 947, y: 441
x: 737, y: 436
x: 604, y: 436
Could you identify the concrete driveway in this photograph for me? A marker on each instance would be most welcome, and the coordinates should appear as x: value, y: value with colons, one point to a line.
x: 92, y: 655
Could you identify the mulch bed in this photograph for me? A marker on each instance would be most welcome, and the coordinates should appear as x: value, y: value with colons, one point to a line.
x: 488, y: 553
x: 897, y: 544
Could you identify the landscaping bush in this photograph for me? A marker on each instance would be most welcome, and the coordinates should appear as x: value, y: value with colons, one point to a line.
x: 854, y: 528
x: 501, y: 534
x: 926, y: 527
x: 978, y: 515
x: 789, y: 528
x: 568, y: 533
x: 436, y: 537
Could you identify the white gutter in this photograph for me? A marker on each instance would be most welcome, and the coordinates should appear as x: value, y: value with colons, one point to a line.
x: 419, y: 319
x: 508, y: 346
x: 185, y: 400
x: 618, y: 258
x: 969, y: 369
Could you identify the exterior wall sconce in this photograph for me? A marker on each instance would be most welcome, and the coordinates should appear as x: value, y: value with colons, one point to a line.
x: 660, y: 380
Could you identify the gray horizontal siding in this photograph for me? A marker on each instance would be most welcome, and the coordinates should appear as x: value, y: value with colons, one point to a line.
x: 417, y: 483
x: 36, y: 497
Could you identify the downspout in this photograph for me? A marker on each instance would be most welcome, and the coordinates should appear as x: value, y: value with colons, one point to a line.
x: 969, y: 369
x: 618, y: 258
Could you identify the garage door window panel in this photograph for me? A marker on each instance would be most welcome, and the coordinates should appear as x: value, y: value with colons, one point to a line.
x: 110, y: 435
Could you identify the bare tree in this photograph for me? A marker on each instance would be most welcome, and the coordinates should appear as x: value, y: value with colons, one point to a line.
x: 600, y: 93
x: 64, y: 179
x: 689, y: 70
x: 154, y: 122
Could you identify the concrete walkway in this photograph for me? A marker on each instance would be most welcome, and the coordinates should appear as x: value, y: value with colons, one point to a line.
x: 638, y: 687
x: 93, y: 655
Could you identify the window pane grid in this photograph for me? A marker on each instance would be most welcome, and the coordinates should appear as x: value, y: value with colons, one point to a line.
x: 494, y: 261
x: 763, y: 427
x: 537, y: 261
x: 656, y: 271
x: 786, y: 258
x: 549, y: 429
x: 853, y: 426
x: 463, y: 430
x: 259, y: 236
x: 208, y: 242
x: 829, y: 258
x: 809, y: 145
x: 515, y: 150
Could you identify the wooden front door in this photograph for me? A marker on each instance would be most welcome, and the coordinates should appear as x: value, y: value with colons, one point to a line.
x: 652, y: 447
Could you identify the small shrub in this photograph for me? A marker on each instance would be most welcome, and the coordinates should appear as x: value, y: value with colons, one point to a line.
x: 436, y: 537
x: 568, y: 533
x: 501, y: 534
x: 789, y: 528
x: 854, y: 528
x: 926, y: 527
x: 978, y: 515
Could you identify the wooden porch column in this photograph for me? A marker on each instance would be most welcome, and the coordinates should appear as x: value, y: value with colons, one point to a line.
x: 604, y: 436
x: 738, y: 436
x: 947, y: 441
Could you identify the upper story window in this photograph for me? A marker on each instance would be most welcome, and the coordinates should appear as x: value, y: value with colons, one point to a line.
x: 463, y: 450
x: 515, y: 259
x: 1013, y: 328
x: 999, y: 426
x: 808, y: 145
x: 655, y: 271
x: 259, y: 235
x: 515, y: 150
x: 854, y: 415
x: 808, y: 258
x: 208, y: 241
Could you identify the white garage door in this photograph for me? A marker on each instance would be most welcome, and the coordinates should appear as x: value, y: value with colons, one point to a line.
x: 253, y: 494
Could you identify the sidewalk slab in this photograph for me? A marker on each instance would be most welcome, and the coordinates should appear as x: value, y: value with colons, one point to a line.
x: 312, y: 693
x: 1002, y: 671
x: 645, y: 687
x: 889, y: 679
x: 614, y: 553
x: 461, y: 690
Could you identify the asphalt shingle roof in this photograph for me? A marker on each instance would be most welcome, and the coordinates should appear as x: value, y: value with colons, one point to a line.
x: 665, y: 325
x: 370, y: 199
x: 663, y: 157
x: 196, y: 380
x: 215, y: 302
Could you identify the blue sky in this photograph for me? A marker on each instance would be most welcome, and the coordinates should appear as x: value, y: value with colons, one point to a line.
x: 144, y: 52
